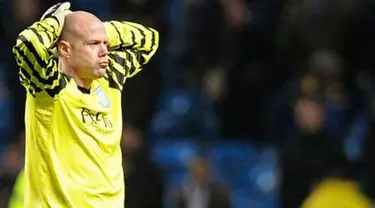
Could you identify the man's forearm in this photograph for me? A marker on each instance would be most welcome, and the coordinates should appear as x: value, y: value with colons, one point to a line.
x: 46, y: 31
x: 131, y: 35
x: 37, y: 39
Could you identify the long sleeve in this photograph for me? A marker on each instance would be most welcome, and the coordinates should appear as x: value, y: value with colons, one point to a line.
x: 133, y: 36
x: 37, y: 66
x: 131, y: 47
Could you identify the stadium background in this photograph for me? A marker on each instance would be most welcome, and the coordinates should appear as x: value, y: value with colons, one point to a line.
x: 268, y: 99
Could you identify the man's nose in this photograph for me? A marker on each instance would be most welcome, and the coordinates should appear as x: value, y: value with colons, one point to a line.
x: 104, y: 51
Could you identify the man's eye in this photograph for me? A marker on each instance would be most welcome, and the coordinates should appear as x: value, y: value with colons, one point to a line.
x: 94, y: 43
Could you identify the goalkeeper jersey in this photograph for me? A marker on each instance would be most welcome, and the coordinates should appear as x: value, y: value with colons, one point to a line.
x: 73, y: 155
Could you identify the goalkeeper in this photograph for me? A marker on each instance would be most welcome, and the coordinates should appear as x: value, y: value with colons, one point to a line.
x: 73, y: 116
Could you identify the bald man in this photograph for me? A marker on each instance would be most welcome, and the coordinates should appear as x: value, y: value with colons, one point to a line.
x: 73, y: 67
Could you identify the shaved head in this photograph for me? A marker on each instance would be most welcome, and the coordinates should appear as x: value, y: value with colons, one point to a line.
x: 82, y: 47
x: 77, y: 25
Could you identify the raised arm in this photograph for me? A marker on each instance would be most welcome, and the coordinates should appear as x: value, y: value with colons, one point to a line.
x: 33, y: 51
x: 129, y: 35
x: 132, y: 46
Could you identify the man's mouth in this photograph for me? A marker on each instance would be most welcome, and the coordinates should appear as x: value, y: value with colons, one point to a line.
x: 103, y: 64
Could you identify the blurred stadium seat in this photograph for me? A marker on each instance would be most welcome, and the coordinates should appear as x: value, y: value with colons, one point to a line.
x: 355, y: 137
x: 249, y: 170
x: 183, y: 114
x: 230, y: 160
x: 246, y: 199
x: 174, y: 154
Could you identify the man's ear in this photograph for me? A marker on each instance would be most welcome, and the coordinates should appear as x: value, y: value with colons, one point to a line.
x: 64, y: 48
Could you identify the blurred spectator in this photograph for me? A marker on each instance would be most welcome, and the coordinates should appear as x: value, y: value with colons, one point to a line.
x: 309, y: 25
x: 367, y: 161
x: 322, y: 80
x: 13, y: 161
x: 248, y: 56
x: 199, y: 191
x: 144, y: 185
x: 309, y: 156
x: 6, y: 110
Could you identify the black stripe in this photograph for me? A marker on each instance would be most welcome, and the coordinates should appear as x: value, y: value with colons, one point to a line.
x: 48, y: 81
x: 24, y: 73
x: 50, y: 68
x: 122, y: 62
x: 112, y: 82
x: 34, y: 73
x: 31, y: 92
x: 143, y: 40
x: 46, y: 31
x: 153, y: 42
x: 58, y: 23
x: 117, y: 59
x: 130, y: 59
x: 52, y: 78
x: 57, y: 89
x: 28, y: 79
x: 127, y: 69
x: 133, y: 39
x: 32, y: 84
x: 118, y: 33
x: 66, y: 77
x: 106, y: 76
x: 32, y: 50
x: 39, y: 60
x: 120, y: 77
x: 40, y: 38
x: 140, y: 57
x: 26, y: 61
x: 140, y: 54
x: 42, y: 26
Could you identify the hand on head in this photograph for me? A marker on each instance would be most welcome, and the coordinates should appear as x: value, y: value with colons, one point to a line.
x: 57, y: 11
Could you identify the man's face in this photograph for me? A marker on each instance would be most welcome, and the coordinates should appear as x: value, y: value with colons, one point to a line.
x: 309, y: 115
x: 89, y: 53
x: 200, y: 171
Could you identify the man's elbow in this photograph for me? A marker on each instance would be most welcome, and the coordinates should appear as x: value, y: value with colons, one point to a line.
x: 24, y: 42
x: 156, y: 35
x: 155, y: 45
x: 19, y: 43
x: 157, y: 38
x: 24, y: 37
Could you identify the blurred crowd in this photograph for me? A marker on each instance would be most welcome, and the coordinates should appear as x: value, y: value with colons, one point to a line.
x: 295, y: 75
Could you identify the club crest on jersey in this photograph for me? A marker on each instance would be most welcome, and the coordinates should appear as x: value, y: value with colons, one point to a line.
x: 102, y: 97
